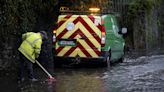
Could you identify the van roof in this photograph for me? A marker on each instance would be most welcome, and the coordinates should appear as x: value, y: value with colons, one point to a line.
x: 95, y: 16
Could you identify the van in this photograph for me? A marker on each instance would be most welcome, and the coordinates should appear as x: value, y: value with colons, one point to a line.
x: 88, y: 38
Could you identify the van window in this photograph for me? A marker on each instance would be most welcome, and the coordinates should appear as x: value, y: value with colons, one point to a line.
x: 115, y: 28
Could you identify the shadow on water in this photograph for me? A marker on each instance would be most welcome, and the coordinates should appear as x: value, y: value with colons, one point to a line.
x: 9, y: 84
x: 43, y: 86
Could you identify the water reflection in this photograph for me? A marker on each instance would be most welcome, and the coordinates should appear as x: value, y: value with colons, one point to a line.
x: 144, y: 74
x: 43, y: 86
x: 81, y: 80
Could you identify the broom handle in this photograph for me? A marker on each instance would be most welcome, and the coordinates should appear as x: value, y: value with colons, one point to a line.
x: 43, y: 69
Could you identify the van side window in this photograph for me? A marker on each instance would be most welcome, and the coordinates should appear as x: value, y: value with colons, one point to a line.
x: 115, y: 28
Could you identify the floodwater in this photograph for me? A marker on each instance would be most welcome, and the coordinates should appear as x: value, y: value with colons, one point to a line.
x: 143, y: 74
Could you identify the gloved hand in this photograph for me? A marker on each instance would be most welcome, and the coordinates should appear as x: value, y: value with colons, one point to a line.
x: 36, y: 55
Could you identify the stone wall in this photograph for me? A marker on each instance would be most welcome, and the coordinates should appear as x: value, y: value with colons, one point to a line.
x: 152, y: 32
x: 147, y: 29
x: 146, y: 36
x: 161, y: 25
x: 139, y: 33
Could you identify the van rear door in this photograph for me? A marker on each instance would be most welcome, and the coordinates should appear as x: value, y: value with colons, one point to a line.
x: 78, y: 36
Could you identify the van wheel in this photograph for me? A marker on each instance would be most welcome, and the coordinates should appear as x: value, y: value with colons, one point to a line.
x: 108, y: 59
x: 122, y: 58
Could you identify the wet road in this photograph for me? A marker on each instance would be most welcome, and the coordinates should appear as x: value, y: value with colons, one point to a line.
x: 144, y: 74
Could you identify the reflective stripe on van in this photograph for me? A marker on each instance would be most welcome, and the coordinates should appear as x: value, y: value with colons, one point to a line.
x: 78, y: 36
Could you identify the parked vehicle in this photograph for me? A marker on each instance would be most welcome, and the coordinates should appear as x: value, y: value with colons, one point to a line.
x: 88, y: 38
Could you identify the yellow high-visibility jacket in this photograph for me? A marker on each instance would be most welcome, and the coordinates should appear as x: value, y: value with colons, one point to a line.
x: 31, y: 45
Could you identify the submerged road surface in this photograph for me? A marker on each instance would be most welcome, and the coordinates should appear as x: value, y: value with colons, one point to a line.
x: 144, y: 74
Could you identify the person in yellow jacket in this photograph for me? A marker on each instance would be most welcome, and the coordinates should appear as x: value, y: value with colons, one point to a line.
x: 29, y: 51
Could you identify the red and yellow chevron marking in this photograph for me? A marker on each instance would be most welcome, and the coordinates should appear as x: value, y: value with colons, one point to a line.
x: 84, y: 28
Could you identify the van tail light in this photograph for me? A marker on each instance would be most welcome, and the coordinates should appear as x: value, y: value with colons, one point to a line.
x: 54, y: 35
x: 103, y: 36
x: 54, y: 31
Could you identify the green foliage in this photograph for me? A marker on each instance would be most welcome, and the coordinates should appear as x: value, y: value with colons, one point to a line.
x: 22, y: 14
x: 84, y: 5
x: 17, y: 17
x: 138, y: 7
x: 142, y: 19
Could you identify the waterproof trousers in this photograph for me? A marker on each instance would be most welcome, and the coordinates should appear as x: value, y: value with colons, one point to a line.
x: 25, y: 66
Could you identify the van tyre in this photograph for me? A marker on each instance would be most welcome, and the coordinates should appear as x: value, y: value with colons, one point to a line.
x: 108, y: 59
x: 107, y: 62
x: 121, y: 60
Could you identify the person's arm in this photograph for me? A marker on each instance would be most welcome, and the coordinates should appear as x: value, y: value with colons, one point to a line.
x: 37, y: 48
x: 24, y: 36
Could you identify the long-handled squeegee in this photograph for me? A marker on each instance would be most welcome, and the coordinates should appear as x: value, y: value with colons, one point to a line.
x: 50, y: 78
